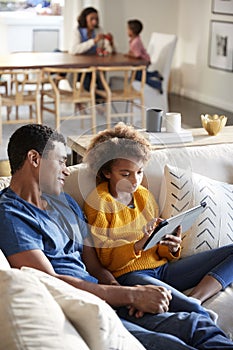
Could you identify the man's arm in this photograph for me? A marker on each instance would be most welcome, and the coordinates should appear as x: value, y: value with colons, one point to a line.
x: 151, y: 299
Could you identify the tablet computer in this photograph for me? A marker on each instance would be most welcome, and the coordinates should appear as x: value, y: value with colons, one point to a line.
x: 169, y: 226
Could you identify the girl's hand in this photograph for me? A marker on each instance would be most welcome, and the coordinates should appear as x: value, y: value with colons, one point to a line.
x: 173, y: 242
x: 147, y: 230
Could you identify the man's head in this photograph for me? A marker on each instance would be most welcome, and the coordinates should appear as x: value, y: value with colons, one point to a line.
x: 37, y: 154
x: 38, y: 137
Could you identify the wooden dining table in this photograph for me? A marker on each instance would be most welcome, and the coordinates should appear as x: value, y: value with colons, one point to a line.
x: 22, y: 60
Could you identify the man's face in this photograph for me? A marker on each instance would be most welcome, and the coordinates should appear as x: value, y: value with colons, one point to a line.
x: 53, y: 170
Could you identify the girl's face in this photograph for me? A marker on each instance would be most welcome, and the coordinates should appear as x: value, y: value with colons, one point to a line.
x: 92, y: 20
x: 125, y: 176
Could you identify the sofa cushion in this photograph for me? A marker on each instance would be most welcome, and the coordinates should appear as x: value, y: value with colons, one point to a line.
x: 220, y: 303
x: 4, y: 182
x: 30, y: 318
x: 182, y: 190
x: 4, y: 265
x: 80, y: 182
x: 214, y: 161
x: 94, y: 319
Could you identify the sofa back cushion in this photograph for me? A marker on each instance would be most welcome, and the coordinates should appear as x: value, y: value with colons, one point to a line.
x: 4, y: 182
x: 182, y: 190
x: 4, y: 265
x: 214, y: 161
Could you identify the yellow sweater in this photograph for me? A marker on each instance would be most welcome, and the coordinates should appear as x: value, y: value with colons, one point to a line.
x: 116, y: 227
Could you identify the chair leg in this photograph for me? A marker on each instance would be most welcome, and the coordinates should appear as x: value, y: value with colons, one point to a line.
x: 30, y: 112
x: 82, y: 120
x: 57, y: 114
x: 17, y: 112
x: 131, y: 111
x: 8, y: 111
x: 42, y: 108
x: 93, y: 116
x: 143, y: 111
x: 38, y: 111
x: 108, y: 110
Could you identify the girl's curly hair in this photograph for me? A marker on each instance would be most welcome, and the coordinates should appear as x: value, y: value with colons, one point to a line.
x: 122, y: 141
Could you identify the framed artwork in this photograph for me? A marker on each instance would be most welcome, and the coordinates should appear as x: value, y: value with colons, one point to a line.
x: 221, y: 45
x: 222, y: 6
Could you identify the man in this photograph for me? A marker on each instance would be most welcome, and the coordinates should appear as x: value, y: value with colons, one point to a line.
x: 43, y: 228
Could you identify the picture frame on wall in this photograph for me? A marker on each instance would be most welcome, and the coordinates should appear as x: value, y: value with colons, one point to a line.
x: 221, y: 45
x: 222, y: 6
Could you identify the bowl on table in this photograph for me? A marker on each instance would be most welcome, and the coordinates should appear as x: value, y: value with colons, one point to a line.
x: 213, y: 124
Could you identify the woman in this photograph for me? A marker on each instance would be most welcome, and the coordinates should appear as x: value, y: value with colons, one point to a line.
x: 88, y: 36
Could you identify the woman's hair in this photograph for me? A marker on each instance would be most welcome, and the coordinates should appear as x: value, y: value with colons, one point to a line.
x: 82, y: 18
x: 135, y: 25
x: 120, y: 142
x: 41, y: 138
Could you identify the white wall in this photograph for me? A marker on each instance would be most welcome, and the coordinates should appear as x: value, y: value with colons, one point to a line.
x: 154, y: 15
x: 190, y: 20
x: 197, y: 79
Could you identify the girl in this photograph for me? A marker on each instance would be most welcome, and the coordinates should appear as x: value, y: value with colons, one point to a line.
x: 122, y: 214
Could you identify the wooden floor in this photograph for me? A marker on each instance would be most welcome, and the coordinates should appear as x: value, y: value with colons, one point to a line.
x: 191, y: 111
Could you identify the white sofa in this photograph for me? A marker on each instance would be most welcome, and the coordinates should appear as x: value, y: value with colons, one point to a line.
x: 38, y: 311
x: 214, y: 163
x: 203, y: 168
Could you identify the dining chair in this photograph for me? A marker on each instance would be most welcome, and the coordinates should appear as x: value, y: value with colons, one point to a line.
x: 126, y: 92
x: 18, y: 95
x: 69, y: 88
x: 4, y: 84
x: 161, y: 49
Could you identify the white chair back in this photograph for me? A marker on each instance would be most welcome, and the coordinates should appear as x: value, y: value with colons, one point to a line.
x: 161, y: 49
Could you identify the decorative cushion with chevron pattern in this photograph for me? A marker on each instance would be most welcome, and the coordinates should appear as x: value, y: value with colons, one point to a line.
x: 182, y: 190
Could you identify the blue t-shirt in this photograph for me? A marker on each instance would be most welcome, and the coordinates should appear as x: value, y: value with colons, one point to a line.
x: 58, y: 231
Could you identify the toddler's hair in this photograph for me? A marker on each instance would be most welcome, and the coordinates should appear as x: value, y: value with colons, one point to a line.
x: 135, y: 25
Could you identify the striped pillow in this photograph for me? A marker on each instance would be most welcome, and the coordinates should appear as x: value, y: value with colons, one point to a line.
x: 182, y: 190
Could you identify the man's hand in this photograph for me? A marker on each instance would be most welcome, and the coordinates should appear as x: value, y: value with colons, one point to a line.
x: 149, y: 298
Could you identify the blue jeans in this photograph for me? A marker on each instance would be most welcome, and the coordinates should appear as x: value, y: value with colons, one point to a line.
x: 186, y: 273
x: 175, y: 331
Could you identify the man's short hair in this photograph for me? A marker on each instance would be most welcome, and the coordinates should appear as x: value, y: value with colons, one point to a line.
x: 31, y: 136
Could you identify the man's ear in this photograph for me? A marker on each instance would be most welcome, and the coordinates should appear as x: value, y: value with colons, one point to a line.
x: 34, y: 158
